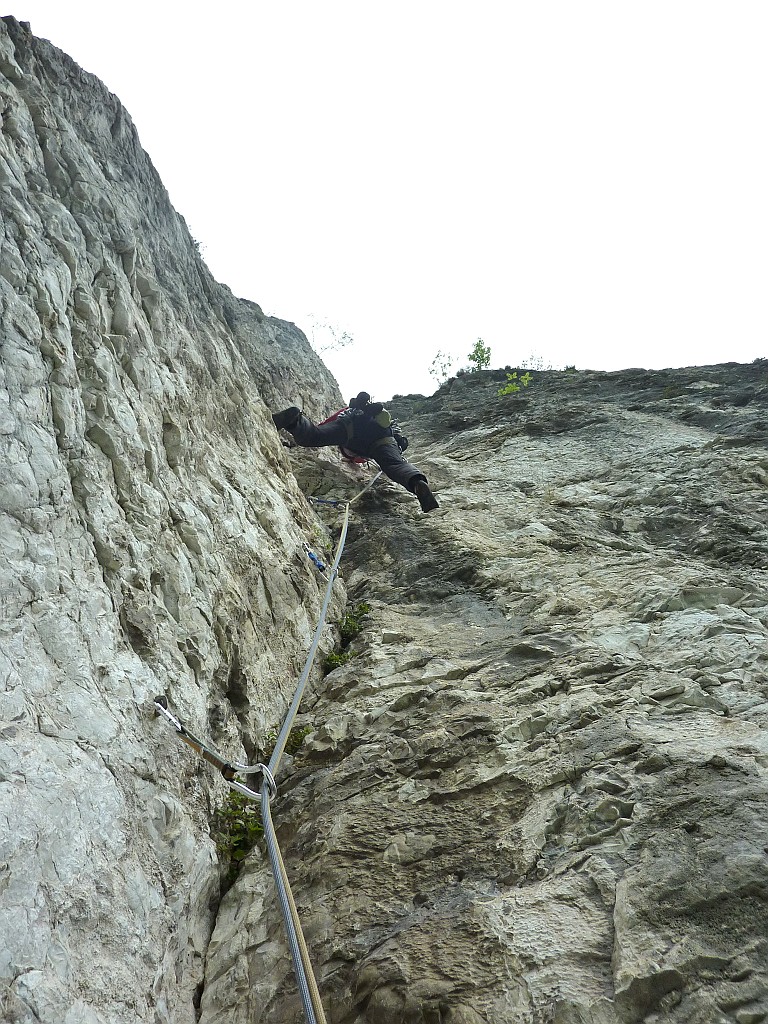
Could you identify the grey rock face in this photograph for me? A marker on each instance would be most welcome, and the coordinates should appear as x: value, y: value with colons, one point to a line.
x: 539, y: 790
x: 151, y: 537
x: 536, y: 791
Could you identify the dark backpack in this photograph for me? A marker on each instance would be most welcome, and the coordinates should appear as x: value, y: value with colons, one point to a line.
x: 359, y: 460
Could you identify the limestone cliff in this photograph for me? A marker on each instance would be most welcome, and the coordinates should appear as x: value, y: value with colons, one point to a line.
x: 151, y: 536
x: 539, y: 790
x: 536, y: 790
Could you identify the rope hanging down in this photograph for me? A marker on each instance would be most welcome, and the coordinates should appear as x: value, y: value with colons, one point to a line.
x: 302, y: 966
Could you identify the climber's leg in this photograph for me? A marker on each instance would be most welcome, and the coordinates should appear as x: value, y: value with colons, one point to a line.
x: 387, y: 454
x: 304, y: 431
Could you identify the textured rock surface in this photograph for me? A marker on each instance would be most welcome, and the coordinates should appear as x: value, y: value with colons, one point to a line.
x: 151, y: 539
x: 539, y: 791
x: 536, y: 794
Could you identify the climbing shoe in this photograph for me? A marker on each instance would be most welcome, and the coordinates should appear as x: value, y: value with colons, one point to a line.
x: 287, y: 419
x: 426, y: 498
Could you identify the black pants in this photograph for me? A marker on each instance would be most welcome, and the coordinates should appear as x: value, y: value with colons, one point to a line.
x: 385, y: 453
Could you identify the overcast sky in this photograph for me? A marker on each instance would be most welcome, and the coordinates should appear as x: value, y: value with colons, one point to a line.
x: 585, y: 182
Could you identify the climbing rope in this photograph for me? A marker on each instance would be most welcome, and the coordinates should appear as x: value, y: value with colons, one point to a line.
x: 305, y: 977
x: 367, y: 487
x: 282, y: 739
x: 340, y: 501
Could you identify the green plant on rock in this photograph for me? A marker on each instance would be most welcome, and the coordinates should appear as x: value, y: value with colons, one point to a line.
x: 235, y: 829
x: 480, y: 356
x: 535, y: 362
x: 296, y: 737
x: 514, y: 382
x: 440, y: 367
x: 335, y: 660
x: 351, y: 625
x: 236, y: 826
x: 318, y: 536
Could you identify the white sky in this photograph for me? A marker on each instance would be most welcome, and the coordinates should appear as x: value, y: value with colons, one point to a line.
x: 583, y: 181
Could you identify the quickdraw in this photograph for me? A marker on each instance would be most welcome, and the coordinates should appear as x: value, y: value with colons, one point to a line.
x: 229, y: 769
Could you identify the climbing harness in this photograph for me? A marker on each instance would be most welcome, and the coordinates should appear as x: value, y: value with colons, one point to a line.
x: 347, y: 454
x: 310, y: 995
x: 347, y: 416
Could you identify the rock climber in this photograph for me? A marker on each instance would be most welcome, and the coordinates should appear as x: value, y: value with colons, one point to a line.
x: 365, y: 430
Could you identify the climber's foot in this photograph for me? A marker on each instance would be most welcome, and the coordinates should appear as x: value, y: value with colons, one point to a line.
x: 287, y: 419
x: 426, y: 498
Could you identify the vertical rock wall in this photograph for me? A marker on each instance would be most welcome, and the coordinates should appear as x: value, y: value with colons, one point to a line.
x: 537, y: 790
x: 150, y: 540
x: 537, y: 793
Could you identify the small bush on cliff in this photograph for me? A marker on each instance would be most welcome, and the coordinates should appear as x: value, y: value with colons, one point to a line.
x: 535, y: 362
x: 335, y: 660
x: 514, y: 382
x: 440, y: 367
x: 349, y: 627
x: 480, y: 356
x: 295, y: 739
x: 235, y: 829
x: 236, y: 826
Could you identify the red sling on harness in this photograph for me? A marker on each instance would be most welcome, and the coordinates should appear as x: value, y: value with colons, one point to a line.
x: 359, y: 460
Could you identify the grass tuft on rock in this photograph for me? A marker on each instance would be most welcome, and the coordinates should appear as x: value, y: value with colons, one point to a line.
x: 350, y: 626
x: 236, y: 826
